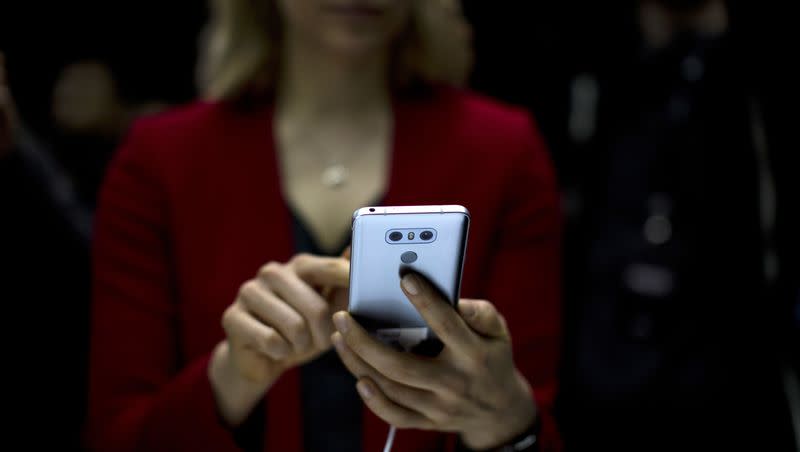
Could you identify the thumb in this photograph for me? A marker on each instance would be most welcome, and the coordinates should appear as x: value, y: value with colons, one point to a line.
x: 483, y: 318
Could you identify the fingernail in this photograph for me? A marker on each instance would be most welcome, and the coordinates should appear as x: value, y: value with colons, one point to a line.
x: 364, y: 390
x: 341, y: 322
x: 410, y: 284
x: 467, y: 310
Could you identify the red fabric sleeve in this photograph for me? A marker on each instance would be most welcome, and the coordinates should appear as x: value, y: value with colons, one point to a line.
x: 143, y: 395
x: 524, y: 273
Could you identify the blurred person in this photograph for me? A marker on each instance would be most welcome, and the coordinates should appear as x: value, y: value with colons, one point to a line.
x: 46, y: 209
x: 675, y: 338
x: 41, y: 232
x: 227, y: 212
x: 100, y: 65
x: 72, y: 101
x: 90, y: 114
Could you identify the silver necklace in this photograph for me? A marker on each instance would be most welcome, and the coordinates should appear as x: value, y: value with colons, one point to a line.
x: 335, y: 173
x: 335, y: 176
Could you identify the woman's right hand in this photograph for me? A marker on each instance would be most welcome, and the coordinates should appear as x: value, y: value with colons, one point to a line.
x: 279, y: 320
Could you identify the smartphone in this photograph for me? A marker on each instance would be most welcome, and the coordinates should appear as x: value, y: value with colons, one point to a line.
x: 389, y: 242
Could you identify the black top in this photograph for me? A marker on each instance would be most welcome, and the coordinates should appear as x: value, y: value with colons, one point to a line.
x: 331, y: 405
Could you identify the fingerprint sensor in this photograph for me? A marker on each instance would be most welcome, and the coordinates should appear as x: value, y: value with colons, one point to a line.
x: 408, y: 257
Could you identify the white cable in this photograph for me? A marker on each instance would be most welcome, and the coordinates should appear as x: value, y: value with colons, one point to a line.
x: 390, y: 439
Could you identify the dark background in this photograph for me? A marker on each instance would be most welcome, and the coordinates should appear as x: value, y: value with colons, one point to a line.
x: 528, y: 54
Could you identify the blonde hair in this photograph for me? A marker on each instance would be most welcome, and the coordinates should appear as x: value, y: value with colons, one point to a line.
x: 240, y: 51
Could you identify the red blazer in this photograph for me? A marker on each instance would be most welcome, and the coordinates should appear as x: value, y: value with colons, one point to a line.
x: 192, y: 207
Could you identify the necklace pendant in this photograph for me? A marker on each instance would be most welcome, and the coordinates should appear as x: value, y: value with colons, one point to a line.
x: 334, y: 176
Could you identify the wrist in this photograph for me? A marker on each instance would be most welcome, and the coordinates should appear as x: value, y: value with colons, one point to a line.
x: 236, y: 395
x: 520, y: 416
x: 526, y: 441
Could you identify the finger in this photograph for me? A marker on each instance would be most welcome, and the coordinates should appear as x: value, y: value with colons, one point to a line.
x: 330, y: 293
x: 483, y: 318
x: 243, y: 328
x: 389, y: 411
x: 322, y: 271
x: 401, y: 367
x: 276, y: 313
x: 302, y: 298
x: 440, y: 316
x: 419, y: 400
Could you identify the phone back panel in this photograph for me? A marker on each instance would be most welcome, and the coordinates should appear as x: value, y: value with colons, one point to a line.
x: 377, y: 262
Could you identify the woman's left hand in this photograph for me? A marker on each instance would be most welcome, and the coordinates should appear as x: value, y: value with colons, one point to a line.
x: 472, y: 387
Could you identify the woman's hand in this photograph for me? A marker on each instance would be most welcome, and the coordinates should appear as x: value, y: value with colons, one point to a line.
x: 279, y: 320
x: 8, y: 116
x: 472, y: 387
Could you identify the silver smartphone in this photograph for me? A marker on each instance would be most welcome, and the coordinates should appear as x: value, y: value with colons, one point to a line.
x: 389, y: 242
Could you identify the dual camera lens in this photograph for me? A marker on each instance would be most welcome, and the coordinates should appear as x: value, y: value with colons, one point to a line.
x: 396, y: 236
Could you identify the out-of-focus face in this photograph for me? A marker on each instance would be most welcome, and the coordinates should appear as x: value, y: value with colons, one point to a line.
x: 346, y: 28
x: 85, y: 100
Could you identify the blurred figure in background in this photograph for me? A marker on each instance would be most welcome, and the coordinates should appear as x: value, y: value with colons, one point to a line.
x: 75, y: 89
x: 668, y: 124
x: 42, y: 232
x: 100, y: 65
x: 675, y: 337
x: 318, y: 108
x: 89, y: 117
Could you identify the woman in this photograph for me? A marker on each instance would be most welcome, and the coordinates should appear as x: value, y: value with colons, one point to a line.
x: 320, y: 107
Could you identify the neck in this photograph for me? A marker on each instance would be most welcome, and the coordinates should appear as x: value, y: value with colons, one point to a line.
x: 314, y: 84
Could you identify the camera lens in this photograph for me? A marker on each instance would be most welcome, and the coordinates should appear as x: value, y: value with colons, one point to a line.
x: 426, y: 235
x: 395, y: 236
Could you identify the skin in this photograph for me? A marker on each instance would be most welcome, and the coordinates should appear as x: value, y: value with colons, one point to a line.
x: 334, y: 88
